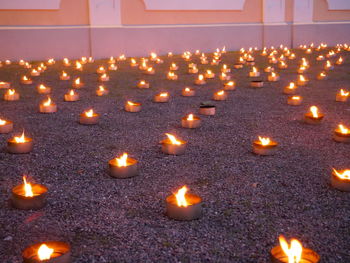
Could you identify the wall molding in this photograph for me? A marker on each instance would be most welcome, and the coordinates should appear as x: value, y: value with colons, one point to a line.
x: 30, y: 4
x: 338, y: 4
x: 194, y: 4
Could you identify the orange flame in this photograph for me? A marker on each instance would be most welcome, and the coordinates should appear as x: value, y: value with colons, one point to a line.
x: 200, y: 77
x: 27, y: 188
x: 343, y: 129
x: 293, y: 252
x: 122, y: 161
x: 296, y: 98
x: 163, y: 94
x: 44, y: 252
x: 71, y: 92
x: 181, y: 197
x: 345, y: 174
x: 220, y: 93
x: 11, y: 91
x: 291, y: 85
x: 21, y: 139
x: 47, y: 102
x: 344, y: 93
x: 264, y: 140
x: 89, y: 113
x: 314, y: 111
x: 2, y: 122
x: 77, y: 81
x: 173, y: 139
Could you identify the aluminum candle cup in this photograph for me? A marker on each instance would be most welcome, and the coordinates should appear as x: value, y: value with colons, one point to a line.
x: 64, y: 77
x: 308, y: 256
x: 257, y: 84
x: 26, y: 81
x: 35, y: 202
x: 47, y: 108
x: 338, y: 136
x: 161, y: 97
x: 207, y: 110
x: 260, y: 149
x: 130, y: 170
x: 342, y: 184
x: 231, y: 85
x: 71, y: 96
x: 173, y: 149
x: 254, y: 74
x: 190, y: 212
x: 43, y: 90
x: 188, y: 92
x: 310, y: 119
x: 132, y: 106
x: 101, y: 91
x: 11, y: 96
x: 61, y: 253
x: 290, y: 90
x: 5, y: 126
x: 143, y: 85
x: 294, y: 100
x: 86, y: 119
x: 341, y: 98
x: 220, y: 95
x: 193, y: 70
x: 191, y: 123
x: 19, y: 147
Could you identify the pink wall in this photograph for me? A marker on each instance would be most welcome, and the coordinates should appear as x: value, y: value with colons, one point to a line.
x: 321, y: 12
x: 71, y: 12
x: 289, y: 10
x: 134, y: 13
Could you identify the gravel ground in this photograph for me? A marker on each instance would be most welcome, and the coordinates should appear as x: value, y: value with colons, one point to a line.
x: 249, y: 200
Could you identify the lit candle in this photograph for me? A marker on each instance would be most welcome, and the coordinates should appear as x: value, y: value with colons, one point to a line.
x: 302, y: 81
x: 132, y: 106
x: 342, y: 134
x: 264, y: 146
x: 282, y: 65
x: 113, y: 67
x: 150, y: 71
x: 339, y: 61
x: 71, y: 96
x: 78, y: 83
x: 123, y: 167
x: 111, y: 60
x: 161, y: 97
x: 188, y: 92
x: 101, y: 70
x: 254, y: 72
x: 79, y: 66
x: 142, y: 84
x: 50, y: 61
x: 5, y: 126
x: 209, y: 74
x: 314, y: 116
x: 66, y: 62
x: 102, y: 90
x: 29, y: 196
x: 173, y: 67
x: 225, y: 69
x: 322, y: 76
x: 89, y: 117
x: 294, y: 100
x: 256, y: 83
x: 64, y: 76
x: 238, y: 65
x: 290, y: 89
x: 34, y: 73
x: 320, y: 58
x: 25, y: 80
x: 342, y: 95
x: 293, y: 253
x: 42, y: 89
x: 328, y: 65
x: 341, y: 180
x: 220, y: 95
x: 172, y: 76
x: 47, y: 106
x: 8, y: 62
x: 48, y: 252
x: 200, y: 80
x: 172, y: 145
x: 192, y: 68
x: 4, y: 85
x: 11, y: 95
x: 133, y: 62
x: 83, y: 60
x: 231, y: 85
x: 269, y: 69
x: 190, y: 121
x: 273, y: 77
x: 20, y: 144
x: 223, y: 76
x: 183, y: 205
x: 122, y: 58
x: 103, y: 78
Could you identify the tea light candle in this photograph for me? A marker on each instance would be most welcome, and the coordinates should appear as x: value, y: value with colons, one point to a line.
x: 161, y: 97
x: 190, y: 121
x: 193, y: 69
x: 302, y: 81
x: 328, y: 65
x: 143, y: 84
x: 50, y: 61
x: 123, y: 167
x: 223, y: 76
x: 47, y: 106
x: 4, y: 85
x: 111, y: 60
x: 29, y: 196
x: 8, y: 62
x: 204, y: 61
x: 273, y: 77
x: 79, y: 66
x: 231, y: 85
x: 339, y: 61
x: 150, y: 71
x: 103, y: 78
x: 225, y: 69
x: 173, y: 67
x: 322, y: 76
x: 183, y: 206
x: 132, y: 106
x: 66, y: 62
x: 220, y: 95
x: 78, y: 83
x: 113, y: 67
x: 71, y: 96
x: 269, y: 69
x: 290, y: 89
x: 313, y: 117
x: 188, y: 92
x: 172, y: 76
x: 295, y: 252
x: 341, y: 180
x: 294, y: 100
x: 238, y: 65
x: 282, y: 65
x: 215, y: 62
x: 102, y: 90
x: 25, y: 80
x: 48, y: 252
x: 257, y: 84
x: 89, y: 117
x: 200, y: 80
x: 342, y: 95
x: 42, y: 89
x: 20, y: 144
x: 11, y: 95
x: 320, y: 58
x: 254, y: 72
x: 5, y: 126
x: 342, y: 134
x: 122, y: 57
x: 264, y: 146
x: 101, y: 70
x: 209, y: 74
x: 64, y: 76
x: 133, y: 62
x: 173, y: 146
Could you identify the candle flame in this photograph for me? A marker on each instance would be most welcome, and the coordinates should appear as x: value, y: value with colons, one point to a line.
x: 173, y: 139
x: 20, y: 139
x: 44, y: 252
x: 2, y: 122
x: 89, y: 113
x: 343, y: 129
x: 291, y: 85
x: 314, y: 111
x: 28, y: 192
x: 42, y: 87
x: 71, y: 92
x: 163, y: 94
x: 230, y: 83
x: 254, y: 70
x: 122, y: 160
x: 220, y: 93
x: 296, y: 98
x: 11, y: 91
x: 264, y: 140
x: 200, y: 77
x: 345, y: 174
x: 302, y: 78
x: 47, y: 102
x: 77, y: 81
x: 101, y: 88
x: 132, y: 103
x: 344, y: 93
x: 190, y: 117
x: 25, y: 78
x: 292, y: 251
x: 64, y: 74
x: 181, y: 197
